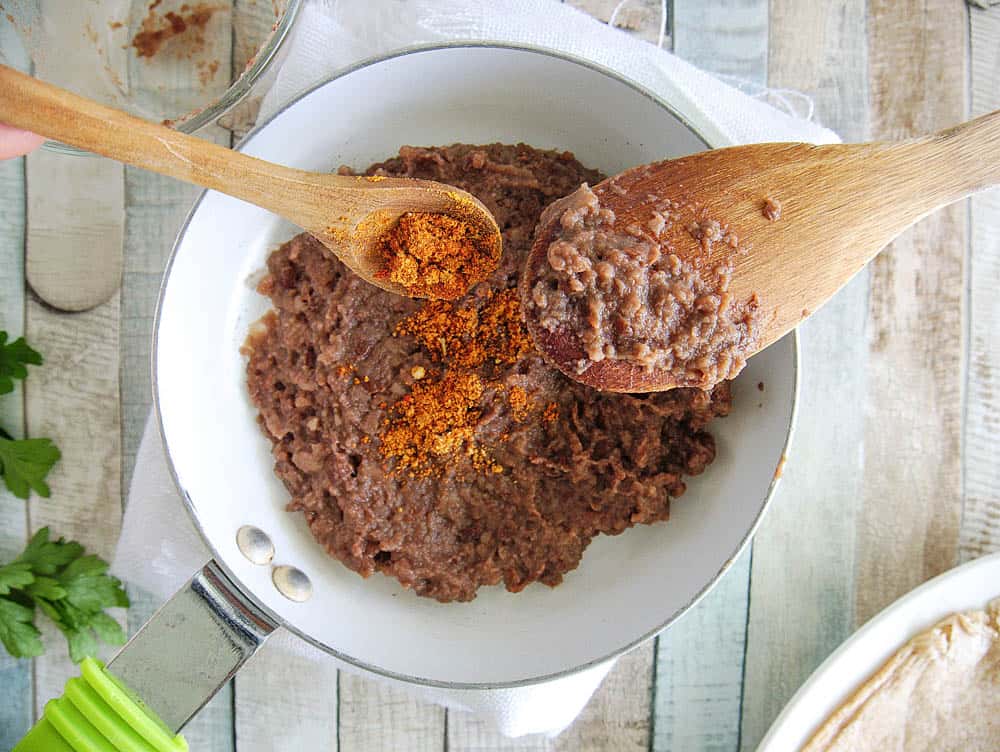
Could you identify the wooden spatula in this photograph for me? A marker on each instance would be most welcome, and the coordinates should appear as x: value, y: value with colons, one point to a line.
x: 839, y: 206
x: 349, y: 215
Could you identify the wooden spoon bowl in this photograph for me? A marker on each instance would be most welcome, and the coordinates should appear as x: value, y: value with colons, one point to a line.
x: 349, y: 215
x: 839, y: 206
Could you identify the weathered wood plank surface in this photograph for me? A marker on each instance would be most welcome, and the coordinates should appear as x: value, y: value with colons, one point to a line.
x: 618, y: 715
x: 471, y: 734
x: 16, y: 702
x: 374, y: 716
x: 727, y: 37
x: 73, y: 400
x: 909, y: 520
x: 75, y: 206
x: 802, y: 591
x: 699, y: 670
x: 981, y: 519
x: 605, y: 723
x: 286, y: 702
x: 643, y: 19
x: 75, y: 211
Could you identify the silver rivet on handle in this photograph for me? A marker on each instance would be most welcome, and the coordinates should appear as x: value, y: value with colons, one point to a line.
x: 292, y: 583
x: 255, y: 544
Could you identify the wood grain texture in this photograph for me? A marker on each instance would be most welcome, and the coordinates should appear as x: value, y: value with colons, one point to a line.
x: 618, y: 716
x: 75, y: 205
x: 75, y: 214
x: 16, y: 702
x: 638, y: 18
x: 155, y: 208
x: 469, y: 733
x: 375, y: 717
x: 909, y: 521
x: 285, y: 702
x: 802, y: 590
x: 980, y: 533
x: 699, y: 670
x: 73, y: 400
x: 699, y: 661
x: 728, y: 36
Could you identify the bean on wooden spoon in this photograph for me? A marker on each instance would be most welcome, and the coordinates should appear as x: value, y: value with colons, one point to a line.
x: 671, y: 274
x: 349, y: 215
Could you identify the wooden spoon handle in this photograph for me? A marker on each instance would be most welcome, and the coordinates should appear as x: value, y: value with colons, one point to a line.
x: 48, y: 110
x: 866, y: 194
x: 960, y: 160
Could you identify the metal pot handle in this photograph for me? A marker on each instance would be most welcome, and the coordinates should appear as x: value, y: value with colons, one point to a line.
x: 173, y: 665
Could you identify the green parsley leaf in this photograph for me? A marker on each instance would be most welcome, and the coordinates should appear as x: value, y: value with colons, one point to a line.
x: 13, y: 358
x: 46, y: 556
x: 25, y: 463
x: 108, y: 630
x: 18, y: 635
x: 48, y: 609
x: 15, y: 575
x: 81, y: 644
x: 87, y: 586
x: 69, y: 587
x: 47, y: 588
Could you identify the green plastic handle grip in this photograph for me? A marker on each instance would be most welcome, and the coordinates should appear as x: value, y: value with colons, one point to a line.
x: 97, y: 713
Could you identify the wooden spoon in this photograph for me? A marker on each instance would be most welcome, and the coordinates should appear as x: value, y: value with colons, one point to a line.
x: 349, y: 215
x: 839, y: 206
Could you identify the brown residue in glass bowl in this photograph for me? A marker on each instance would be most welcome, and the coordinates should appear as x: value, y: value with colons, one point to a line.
x: 157, y: 30
x: 206, y: 71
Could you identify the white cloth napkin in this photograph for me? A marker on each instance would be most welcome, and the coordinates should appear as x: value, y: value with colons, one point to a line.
x: 159, y: 548
x: 333, y: 34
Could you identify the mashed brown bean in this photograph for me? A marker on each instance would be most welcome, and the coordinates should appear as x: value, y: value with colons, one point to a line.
x: 629, y: 297
x: 324, y: 368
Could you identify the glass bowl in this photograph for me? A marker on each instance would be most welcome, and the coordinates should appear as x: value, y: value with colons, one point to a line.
x: 188, y: 64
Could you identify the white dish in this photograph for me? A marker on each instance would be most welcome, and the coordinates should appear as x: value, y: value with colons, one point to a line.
x: 627, y: 588
x: 968, y: 587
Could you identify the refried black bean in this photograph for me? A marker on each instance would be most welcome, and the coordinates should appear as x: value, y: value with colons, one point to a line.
x: 600, y: 463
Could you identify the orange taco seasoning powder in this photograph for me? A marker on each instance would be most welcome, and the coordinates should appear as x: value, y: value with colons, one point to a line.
x: 519, y: 404
x: 434, y: 423
x: 427, y: 429
x: 468, y: 337
x: 437, y: 256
